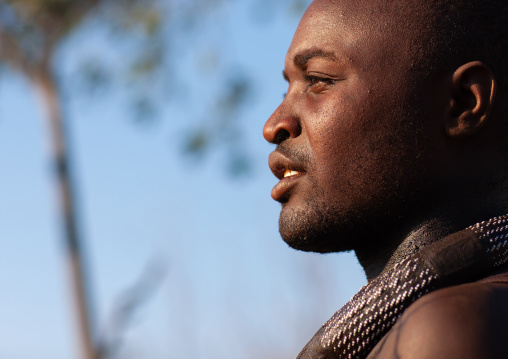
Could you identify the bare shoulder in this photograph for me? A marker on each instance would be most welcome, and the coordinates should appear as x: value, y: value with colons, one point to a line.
x: 467, y: 321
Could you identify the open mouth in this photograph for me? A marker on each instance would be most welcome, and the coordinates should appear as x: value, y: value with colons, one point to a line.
x: 283, y: 189
x: 289, y: 173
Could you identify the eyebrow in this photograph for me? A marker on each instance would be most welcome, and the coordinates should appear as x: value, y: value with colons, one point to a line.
x: 300, y: 60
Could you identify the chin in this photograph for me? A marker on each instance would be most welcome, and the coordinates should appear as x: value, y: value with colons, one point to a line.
x: 311, y: 231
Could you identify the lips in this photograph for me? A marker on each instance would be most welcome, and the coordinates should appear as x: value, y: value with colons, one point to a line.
x: 287, y: 171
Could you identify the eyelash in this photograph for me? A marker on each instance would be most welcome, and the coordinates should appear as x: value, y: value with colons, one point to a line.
x: 313, y: 80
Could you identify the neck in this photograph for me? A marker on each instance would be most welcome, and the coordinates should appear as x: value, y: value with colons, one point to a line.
x: 397, y: 247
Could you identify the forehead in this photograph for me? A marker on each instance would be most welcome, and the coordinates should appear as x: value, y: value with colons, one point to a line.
x: 359, y: 31
x: 366, y: 12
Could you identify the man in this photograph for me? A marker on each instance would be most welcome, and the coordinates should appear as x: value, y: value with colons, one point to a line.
x: 392, y: 142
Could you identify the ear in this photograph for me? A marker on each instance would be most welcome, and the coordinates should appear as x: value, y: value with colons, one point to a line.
x: 474, y: 90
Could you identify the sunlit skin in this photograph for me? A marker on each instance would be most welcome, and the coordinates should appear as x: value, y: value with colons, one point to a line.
x: 379, y: 155
x: 337, y: 86
x: 374, y: 160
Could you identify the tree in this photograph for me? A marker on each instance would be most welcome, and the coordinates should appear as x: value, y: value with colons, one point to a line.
x: 31, y: 34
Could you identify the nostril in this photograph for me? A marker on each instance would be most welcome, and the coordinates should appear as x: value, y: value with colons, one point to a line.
x: 281, y: 136
x: 281, y: 126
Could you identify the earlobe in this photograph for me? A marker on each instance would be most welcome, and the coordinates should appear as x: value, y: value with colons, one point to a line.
x: 474, y: 90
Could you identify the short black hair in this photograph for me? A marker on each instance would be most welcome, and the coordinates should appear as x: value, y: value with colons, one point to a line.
x: 470, y: 30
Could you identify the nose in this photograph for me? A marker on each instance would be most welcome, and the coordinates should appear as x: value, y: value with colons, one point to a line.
x: 281, y: 126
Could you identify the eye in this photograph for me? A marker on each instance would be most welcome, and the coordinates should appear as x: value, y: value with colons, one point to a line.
x: 319, y: 83
x: 313, y: 80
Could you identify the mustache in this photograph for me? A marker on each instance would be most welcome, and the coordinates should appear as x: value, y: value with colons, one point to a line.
x: 297, y: 155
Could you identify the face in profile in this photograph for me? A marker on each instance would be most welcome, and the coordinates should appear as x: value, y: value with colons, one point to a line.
x: 350, y: 136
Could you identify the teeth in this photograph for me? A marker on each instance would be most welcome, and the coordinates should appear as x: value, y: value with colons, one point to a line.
x: 288, y: 173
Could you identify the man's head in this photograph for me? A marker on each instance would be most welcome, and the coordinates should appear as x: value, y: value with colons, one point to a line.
x: 384, y: 106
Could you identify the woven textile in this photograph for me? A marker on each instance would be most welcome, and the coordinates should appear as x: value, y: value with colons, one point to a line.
x: 355, y: 329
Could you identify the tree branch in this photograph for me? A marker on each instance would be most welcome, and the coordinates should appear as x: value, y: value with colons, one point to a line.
x: 13, y: 55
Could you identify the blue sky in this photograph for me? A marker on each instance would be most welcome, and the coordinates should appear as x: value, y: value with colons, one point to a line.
x: 232, y: 288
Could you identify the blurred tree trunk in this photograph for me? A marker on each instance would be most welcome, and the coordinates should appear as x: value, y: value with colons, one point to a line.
x: 47, y: 86
x: 30, y: 33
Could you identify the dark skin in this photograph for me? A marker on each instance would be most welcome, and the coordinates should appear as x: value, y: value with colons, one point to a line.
x: 379, y: 156
x: 466, y: 321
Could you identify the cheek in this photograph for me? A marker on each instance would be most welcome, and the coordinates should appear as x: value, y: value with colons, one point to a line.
x: 360, y: 150
x: 335, y: 117
x: 342, y: 127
